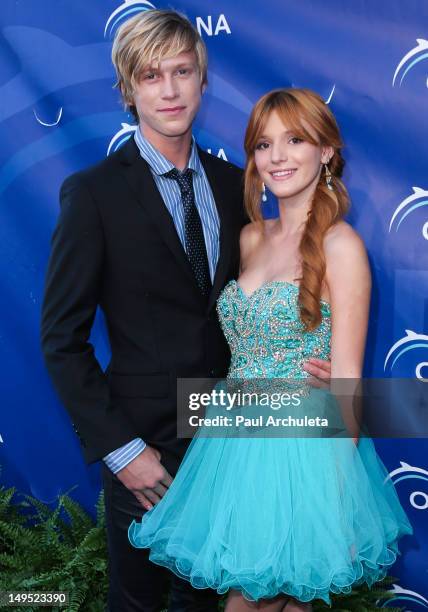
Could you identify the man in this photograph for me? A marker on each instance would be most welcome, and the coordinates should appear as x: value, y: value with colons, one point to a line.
x: 151, y: 235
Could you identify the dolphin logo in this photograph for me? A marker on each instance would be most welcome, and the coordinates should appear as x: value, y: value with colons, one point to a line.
x: 55, y: 142
x: 403, y: 469
x: 417, y: 199
x: 404, y: 594
x: 417, y: 499
x: 39, y: 76
x: 409, y: 342
x: 121, y: 137
x: 413, y: 57
x: 126, y: 10
x: 44, y: 123
x: 330, y: 97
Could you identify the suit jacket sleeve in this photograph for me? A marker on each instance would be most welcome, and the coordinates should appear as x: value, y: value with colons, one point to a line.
x: 73, y: 289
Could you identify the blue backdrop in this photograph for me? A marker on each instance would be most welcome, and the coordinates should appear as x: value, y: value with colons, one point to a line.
x: 59, y: 113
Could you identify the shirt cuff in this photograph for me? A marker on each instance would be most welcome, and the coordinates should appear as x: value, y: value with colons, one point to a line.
x: 119, y: 458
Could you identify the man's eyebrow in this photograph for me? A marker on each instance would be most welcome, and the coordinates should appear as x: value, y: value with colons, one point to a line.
x: 155, y: 67
x: 184, y: 65
x: 150, y: 67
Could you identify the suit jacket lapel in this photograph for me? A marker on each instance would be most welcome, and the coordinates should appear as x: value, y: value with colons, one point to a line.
x: 140, y: 179
x: 221, y: 200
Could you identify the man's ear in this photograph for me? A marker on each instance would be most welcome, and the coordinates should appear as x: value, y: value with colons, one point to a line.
x: 127, y: 97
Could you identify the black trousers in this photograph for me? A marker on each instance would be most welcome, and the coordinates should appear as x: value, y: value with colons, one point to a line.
x: 135, y: 583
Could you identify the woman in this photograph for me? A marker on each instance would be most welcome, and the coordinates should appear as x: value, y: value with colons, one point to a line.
x: 279, y: 522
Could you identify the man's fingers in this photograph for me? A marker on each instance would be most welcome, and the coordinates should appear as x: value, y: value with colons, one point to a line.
x: 323, y: 373
x: 166, y: 480
x: 144, y: 501
x: 311, y: 368
x: 319, y: 365
x: 160, y: 489
x: 151, y: 495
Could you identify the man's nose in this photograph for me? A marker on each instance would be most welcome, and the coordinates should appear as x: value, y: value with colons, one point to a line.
x: 169, y: 87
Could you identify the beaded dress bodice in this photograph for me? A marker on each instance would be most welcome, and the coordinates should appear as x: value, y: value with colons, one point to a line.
x: 265, y: 334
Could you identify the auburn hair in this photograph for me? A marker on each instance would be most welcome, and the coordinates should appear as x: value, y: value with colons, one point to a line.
x: 297, y: 108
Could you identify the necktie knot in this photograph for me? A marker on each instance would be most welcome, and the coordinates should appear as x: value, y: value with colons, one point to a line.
x: 184, y: 179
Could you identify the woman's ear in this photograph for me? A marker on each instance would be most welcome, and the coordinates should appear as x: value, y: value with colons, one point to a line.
x: 327, y: 154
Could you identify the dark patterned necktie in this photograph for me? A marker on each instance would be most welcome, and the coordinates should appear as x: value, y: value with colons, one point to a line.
x: 193, y: 232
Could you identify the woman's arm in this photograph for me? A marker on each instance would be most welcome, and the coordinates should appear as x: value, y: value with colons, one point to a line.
x: 349, y: 282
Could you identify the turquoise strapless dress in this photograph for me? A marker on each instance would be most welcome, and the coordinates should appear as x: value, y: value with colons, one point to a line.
x: 302, y: 516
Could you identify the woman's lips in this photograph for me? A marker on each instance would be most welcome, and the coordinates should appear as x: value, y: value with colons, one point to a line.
x: 283, y: 175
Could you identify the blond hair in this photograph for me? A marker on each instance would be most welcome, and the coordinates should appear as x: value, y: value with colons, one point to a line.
x: 149, y: 37
x: 296, y: 107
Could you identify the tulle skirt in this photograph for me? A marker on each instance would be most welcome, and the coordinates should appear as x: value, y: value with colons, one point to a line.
x: 306, y: 517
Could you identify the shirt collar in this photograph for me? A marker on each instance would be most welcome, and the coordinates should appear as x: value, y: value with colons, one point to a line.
x: 158, y: 162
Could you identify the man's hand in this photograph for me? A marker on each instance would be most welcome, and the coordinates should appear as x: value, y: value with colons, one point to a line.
x: 320, y: 371
x: 146, y: 477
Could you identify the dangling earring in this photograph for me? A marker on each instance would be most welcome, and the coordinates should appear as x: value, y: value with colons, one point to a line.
x: 264, y: 196
x: 328, y: 177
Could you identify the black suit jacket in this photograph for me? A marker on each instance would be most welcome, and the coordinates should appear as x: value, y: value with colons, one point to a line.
x: 115, y: 246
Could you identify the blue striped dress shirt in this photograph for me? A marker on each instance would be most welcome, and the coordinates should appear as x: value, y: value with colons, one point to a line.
x: 170, y: 193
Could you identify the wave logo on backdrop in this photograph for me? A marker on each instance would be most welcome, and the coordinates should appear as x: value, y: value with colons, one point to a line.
x: 411, y: 59
x: 409, y: 342
x: 126, y: 10
x: 121, y: 137
x: 401, y: 594
x: 417, y: 499
x: 417, y: 199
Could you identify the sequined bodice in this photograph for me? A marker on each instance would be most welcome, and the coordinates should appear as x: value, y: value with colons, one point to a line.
x: 265, y: 334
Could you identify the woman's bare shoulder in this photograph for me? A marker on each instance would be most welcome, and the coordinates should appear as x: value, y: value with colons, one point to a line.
x: 342, y: 237
x: 251, y: 234
x: 346, y: 258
